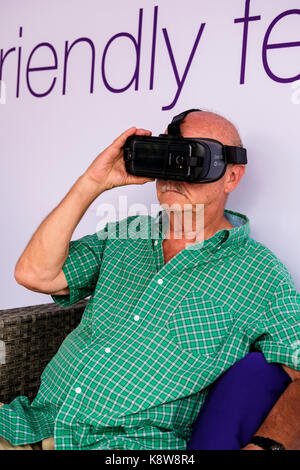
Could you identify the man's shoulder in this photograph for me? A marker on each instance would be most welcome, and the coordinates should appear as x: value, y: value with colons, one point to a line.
x: 263, y: 257
x: 260, y: 250
x: 130, y: 227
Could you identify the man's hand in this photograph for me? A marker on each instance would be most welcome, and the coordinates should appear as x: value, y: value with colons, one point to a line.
x: 294, y: 374
x: 252, y: 447
x: 108, y: 169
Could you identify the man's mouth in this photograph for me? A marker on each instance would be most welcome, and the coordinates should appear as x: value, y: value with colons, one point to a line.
x: 167, y: 187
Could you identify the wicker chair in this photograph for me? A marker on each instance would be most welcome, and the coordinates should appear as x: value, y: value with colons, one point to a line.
x: 29, y: 338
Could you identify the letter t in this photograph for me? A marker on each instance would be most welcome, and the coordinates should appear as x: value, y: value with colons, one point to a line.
x: 245, y: 20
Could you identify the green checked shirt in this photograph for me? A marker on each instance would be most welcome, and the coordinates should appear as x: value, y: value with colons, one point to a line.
x: 154, y: 337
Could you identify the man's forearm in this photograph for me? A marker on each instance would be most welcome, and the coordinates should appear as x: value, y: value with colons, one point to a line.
x: 283, y: 422
x: 47, y: 250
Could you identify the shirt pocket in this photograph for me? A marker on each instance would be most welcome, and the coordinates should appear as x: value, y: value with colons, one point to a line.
x: 200, y: 325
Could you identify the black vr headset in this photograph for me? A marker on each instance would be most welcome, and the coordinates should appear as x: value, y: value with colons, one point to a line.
x: 173, y: 157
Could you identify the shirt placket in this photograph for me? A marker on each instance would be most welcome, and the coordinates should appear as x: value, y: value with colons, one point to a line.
x: 158, y: 288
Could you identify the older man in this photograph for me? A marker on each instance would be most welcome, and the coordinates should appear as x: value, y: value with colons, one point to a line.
x: 164, y: 320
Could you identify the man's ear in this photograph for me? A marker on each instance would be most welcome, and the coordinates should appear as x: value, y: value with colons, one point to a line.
x: 233, y: 175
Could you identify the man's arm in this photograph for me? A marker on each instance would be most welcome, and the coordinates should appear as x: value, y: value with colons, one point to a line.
x: 283, y: 422
x: 40, y: 266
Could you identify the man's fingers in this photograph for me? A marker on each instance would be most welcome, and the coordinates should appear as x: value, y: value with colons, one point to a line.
x: 143, y: 132
x: 139, y: 180
x: 120, y: 141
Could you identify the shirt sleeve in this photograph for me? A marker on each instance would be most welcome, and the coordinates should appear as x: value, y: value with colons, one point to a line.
x: 281, y: 341
x: 82, y: 267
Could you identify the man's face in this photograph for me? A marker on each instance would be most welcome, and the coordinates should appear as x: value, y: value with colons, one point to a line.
x: 180, y: 192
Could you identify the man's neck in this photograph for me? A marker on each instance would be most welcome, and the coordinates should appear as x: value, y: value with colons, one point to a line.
x: 195, y: 227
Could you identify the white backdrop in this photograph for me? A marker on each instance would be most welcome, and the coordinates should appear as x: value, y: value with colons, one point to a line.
x: 48, y: 141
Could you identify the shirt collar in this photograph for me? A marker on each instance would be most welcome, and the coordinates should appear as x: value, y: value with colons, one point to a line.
x: 225, y: 237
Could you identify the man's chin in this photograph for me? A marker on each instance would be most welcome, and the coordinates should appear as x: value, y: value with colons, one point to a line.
x: 172, y: 197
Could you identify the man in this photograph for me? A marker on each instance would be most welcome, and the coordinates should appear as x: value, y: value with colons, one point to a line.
x: 164, y: 320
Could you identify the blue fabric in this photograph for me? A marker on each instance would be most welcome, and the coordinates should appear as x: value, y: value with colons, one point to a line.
x: 237, y: 404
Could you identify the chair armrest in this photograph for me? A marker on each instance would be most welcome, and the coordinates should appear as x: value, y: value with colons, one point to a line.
x: 29, y: 338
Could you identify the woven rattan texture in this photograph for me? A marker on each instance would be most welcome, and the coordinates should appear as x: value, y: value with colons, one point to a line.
x: 29, y: 338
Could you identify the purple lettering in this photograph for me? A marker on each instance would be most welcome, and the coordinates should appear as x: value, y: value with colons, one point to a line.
x: 137, y: 45
x: 3, y: 57
x: 19, y: 65
x: 181, y: 81
x: 38, y: 69
x: 267, y: 46
x: 153, y: 47
x: 246, y: 21
x: 67, y: 51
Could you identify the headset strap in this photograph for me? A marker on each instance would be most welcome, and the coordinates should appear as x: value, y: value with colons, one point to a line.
x: 174, y: 126
x: 233, y: 154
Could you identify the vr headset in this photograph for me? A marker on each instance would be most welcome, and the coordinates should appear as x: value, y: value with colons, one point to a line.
x: 173, y: 157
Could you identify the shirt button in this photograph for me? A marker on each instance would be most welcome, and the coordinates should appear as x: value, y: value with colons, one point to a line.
x: 107, y: 350
x: 136, y: 317
x: 160, y: 281
x: 155, y: 243
x: 218, y: 247
x: 78, y: 390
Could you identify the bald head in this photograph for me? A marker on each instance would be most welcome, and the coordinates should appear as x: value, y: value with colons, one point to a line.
x: 210, y: 125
